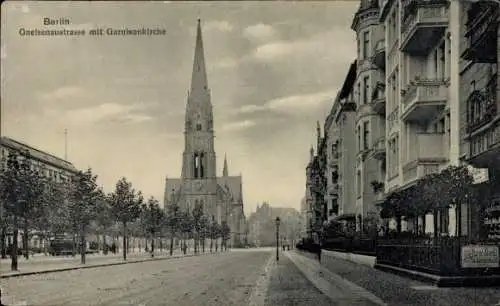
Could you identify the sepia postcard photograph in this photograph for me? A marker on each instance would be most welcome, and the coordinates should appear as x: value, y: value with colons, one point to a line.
x: 259, y: 153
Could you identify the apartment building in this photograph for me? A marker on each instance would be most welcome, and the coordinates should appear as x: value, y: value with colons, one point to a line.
x: 441, y: 66
x: 332, y: 138
x: 54, y: 168
x: 316, y: 186
x: 421, y: 79
x: 344, y: 114
x: 479, y: 103
x: 370, y: 111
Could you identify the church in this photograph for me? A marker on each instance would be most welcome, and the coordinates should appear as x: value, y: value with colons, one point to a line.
x: 221, y: 197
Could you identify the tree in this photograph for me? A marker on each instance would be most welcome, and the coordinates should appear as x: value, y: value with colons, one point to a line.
x: 186, y: 227
x: 33, y: 208
x: 126, y: 207
x: 197, y: 216
x: 19, y: 193
x: 173, y: 222
x: 153, y: 219
x: 214, y: 234
x: 225, y: 234
x: 104, y: 219
x: 83, y: 204
x: 204, y: 225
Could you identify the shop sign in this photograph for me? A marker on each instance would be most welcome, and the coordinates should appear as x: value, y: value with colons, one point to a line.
x: 480, y: 256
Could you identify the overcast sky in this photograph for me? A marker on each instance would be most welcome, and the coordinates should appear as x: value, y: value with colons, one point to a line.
x: 273, y: 69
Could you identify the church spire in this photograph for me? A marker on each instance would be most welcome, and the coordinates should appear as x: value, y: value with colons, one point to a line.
x: 225, y: 170
x: 199, y: 83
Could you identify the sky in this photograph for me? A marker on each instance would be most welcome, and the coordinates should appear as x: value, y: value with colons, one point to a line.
x: 273, y: 69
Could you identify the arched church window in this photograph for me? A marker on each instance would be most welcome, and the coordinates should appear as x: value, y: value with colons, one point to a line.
x: 196, y: 169
x: 198, y: 126
x: 202, y: 165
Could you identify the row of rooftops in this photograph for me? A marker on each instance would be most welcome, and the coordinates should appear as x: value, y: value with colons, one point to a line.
x: 36, y: 154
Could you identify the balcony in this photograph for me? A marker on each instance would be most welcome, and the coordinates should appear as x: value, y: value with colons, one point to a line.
x: 333, y: 189
x: 481, y: 31
x: 425, y: 22
x: 379, y: 148
x: 424, y: 98
x: 482, y: 127
x: 378, y: 99
x: 425, y: 157
x: 333, y: 161
x: 379, y: 54
x: 482, y: 107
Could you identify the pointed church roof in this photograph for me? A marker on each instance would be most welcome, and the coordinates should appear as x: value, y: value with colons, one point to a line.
x: 225, y: 169
x: 199, y: 83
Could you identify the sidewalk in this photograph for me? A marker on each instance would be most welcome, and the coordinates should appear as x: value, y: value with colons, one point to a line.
x: 397, y: 290
x: 46, y: 264
x: 288, y: 286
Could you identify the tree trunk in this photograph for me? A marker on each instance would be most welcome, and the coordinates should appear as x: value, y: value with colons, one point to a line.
x: 435, y: 219
x: 125, y: 240
x: 172, y: 242
x: 211, y: 244
x: 83, y: 246
x: 73, y: 252
x: 105, y: 245
x: 152, y: 245
x: 13, y: 263
x: 195, y: 243
x: 3, y: 238
x: 398, y: 224
x: 203, y: 244
x: 25, y: 238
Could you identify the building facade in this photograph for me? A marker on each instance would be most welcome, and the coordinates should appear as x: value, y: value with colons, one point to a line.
x: 316, y: 187
x: 221, y: 197
x: 262, y: 226
x: 344, y: 113
x: 331, y: 135
x: 479, y: 102
x: 422, y: 95
x: 52, y: 167
x: 370, y: 115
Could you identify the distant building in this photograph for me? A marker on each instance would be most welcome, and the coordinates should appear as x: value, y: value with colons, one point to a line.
x: 262, y: 225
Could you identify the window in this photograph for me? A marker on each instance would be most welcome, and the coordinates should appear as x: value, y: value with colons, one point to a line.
x: 366, y: 135
x: 359, y: 138
x: 198, y: 127
x: 359, y: 93
x: 202, y: 166
x: 358, y: 183
x: 366, y: 44
x: 198, y: 165
x: 366, y: 89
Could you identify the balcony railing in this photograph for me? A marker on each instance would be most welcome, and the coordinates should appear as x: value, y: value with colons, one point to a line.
x: 333, y: 189
x: 379, y: 54
x: 424, y: 24
x: 482, y: 108
x: 423, y: 98
x: 481, y: 30
x: 379, y: 148
x: 426, y: 155
x: 378, y: 98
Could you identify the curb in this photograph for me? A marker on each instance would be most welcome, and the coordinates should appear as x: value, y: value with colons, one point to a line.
x: 332, y: 278
x: 100, y: 265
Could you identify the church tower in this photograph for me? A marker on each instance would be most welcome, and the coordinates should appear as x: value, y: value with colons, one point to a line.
x: 199, y: 168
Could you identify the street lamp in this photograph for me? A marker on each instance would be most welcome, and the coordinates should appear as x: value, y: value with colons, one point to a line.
x: 277, y: 238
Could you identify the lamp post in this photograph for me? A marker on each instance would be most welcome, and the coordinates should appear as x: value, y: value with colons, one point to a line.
x: 277, y: 238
